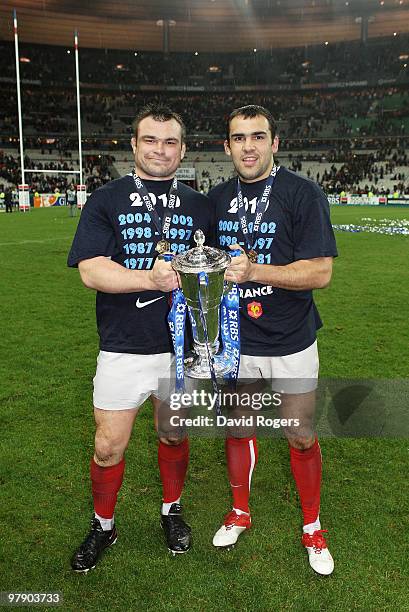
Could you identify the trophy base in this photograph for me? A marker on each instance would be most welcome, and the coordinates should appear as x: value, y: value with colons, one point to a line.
x: 199, y: 367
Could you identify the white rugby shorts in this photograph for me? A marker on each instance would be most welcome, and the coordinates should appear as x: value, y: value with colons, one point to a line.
x: 123, y: 381
x: 295, y: 373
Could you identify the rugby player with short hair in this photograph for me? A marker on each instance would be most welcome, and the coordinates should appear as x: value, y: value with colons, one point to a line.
x: 114, y: 249
x: 287, y: 252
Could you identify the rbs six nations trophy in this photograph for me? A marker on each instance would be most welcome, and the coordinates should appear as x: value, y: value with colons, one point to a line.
x: 213, y: 310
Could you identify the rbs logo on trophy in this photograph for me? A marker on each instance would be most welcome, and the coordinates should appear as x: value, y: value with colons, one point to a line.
x: 254, y: 310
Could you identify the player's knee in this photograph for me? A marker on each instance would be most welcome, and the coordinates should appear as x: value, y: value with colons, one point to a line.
x: 109, y: 447
x: 106, y: 455
x: 172, y: 440
x: 301, y: 443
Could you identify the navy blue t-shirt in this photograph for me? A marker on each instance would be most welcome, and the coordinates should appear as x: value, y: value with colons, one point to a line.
x: 115, y: 223
x: 296, y: 225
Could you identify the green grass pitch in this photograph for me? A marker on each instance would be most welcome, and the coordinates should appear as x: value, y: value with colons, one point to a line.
x: 48, y: 349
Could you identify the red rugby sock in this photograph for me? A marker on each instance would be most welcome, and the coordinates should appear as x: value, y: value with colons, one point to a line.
x: 106, y: 482
x: 242, y: 455
x: 173, y: 461
x: 306, y: 466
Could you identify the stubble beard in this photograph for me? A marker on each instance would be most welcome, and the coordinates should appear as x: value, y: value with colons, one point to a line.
x: 253, y: 174
x: 153, y: 171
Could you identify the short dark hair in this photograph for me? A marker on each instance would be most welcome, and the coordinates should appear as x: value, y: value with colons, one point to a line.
x: 250, y: 111
x: 158, y: 112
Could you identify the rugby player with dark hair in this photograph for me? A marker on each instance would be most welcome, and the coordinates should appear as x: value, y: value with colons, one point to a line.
x: 281, y: 222
x: 115, y: 249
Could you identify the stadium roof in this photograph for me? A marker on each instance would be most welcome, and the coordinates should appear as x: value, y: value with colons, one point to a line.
x: 201, y: 25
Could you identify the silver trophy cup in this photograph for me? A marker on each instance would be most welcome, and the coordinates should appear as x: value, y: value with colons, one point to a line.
x: 203, y: 292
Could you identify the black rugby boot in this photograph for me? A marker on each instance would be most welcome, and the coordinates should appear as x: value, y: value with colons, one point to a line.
x: 177, y: 533
x: 88, y: 554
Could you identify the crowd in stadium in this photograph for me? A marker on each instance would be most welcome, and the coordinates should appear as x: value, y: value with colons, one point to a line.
x: 96, y: 173
x: 358, y: 132
x: 344, y: 61
x: 348, y: 171
x: 301, y: 115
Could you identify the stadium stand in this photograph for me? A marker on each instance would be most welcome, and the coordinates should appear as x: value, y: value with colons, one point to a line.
x: 378, y: 59
x: 342, y: 110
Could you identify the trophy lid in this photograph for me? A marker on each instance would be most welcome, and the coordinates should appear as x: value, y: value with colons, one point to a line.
x: 201, y: 258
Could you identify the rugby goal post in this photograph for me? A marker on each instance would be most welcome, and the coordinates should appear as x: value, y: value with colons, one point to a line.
x: 23, y: 189
x: 81, y: 196
x: 23, y: 198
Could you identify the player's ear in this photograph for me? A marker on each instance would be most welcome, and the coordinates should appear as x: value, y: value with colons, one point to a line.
x: 274, y: 146
x: 227, y: 147
x: 133, y: 144
x: 183, y: 151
